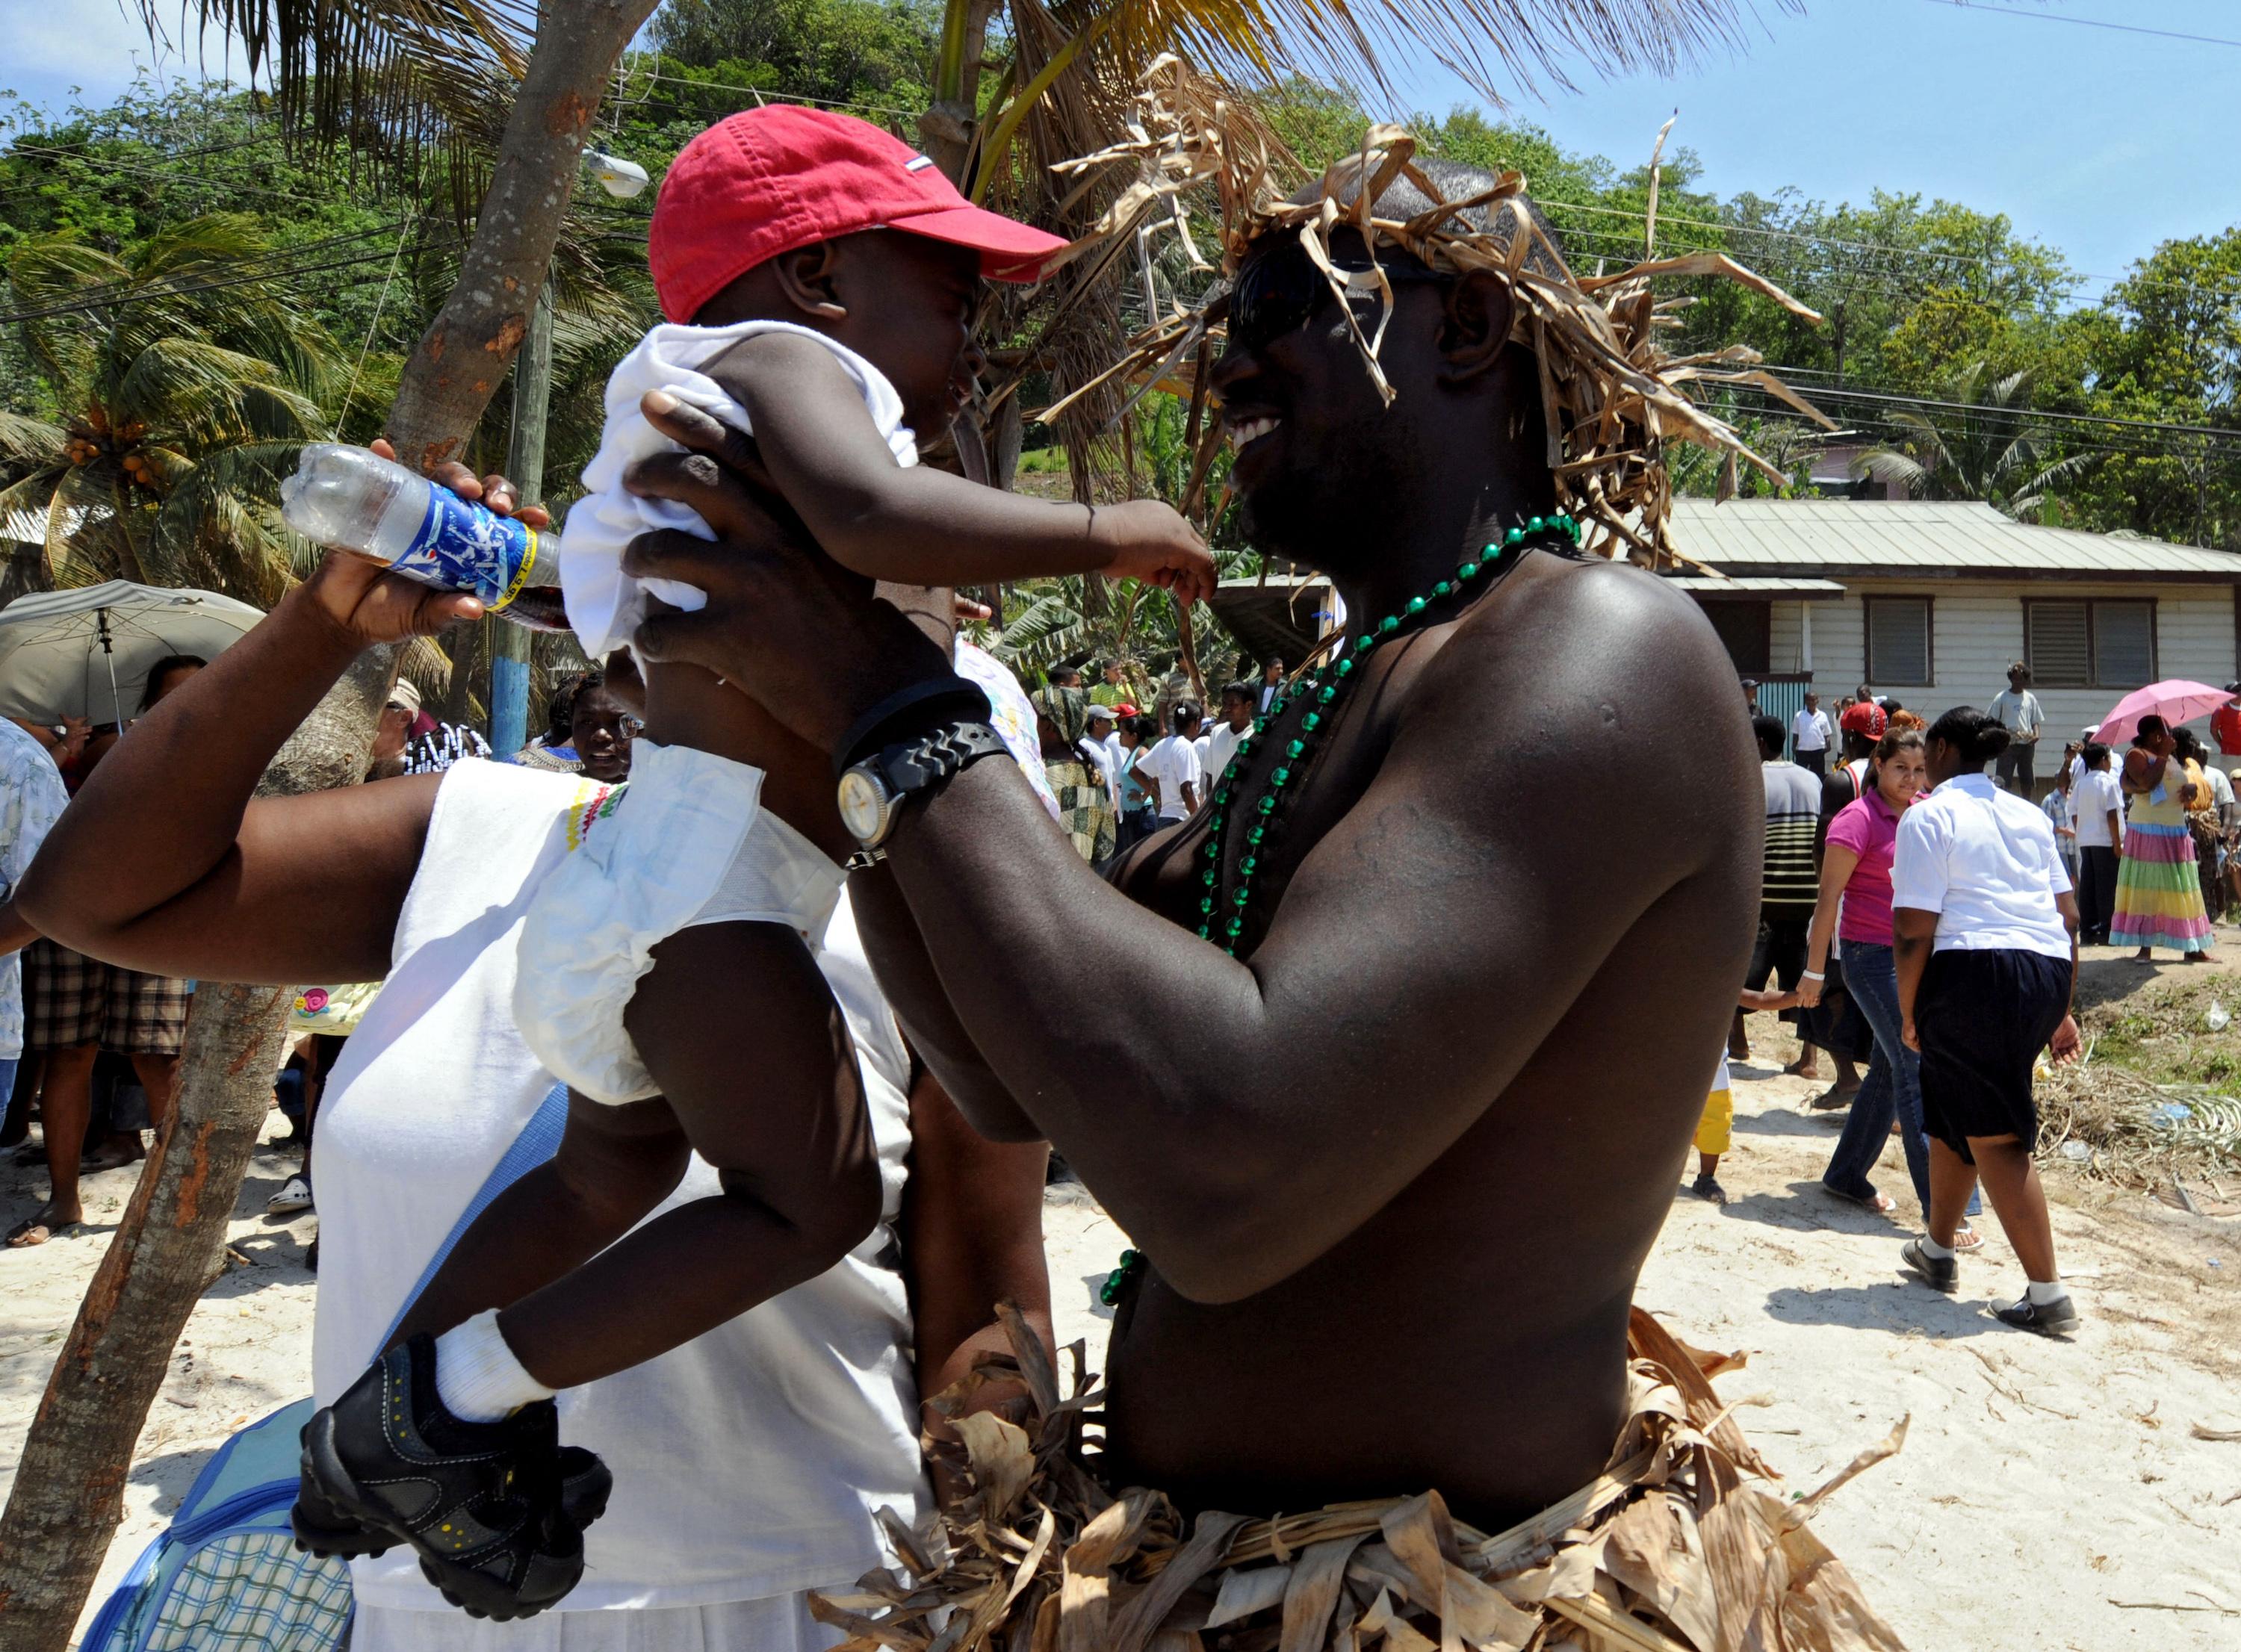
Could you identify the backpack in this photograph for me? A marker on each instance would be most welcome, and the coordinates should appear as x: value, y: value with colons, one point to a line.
x: 225, y: 1575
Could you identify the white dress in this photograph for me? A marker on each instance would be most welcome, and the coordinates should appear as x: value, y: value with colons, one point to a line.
x: 750, y: 1464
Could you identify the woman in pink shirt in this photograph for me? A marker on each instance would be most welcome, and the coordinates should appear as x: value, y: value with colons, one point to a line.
x: 1856, y: 876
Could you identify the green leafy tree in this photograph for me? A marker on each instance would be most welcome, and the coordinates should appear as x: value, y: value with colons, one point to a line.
x: 1981, y: 445
x: 179, y: 394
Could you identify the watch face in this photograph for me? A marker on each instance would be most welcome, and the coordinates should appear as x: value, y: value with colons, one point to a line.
x: 863, y: 806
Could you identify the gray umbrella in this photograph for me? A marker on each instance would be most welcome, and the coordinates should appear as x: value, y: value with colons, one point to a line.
x: 86, y: 653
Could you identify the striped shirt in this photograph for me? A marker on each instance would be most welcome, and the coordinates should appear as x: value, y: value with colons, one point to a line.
x: 1790, y: 881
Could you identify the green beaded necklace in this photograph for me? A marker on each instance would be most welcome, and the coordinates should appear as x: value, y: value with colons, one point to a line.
x: 1223, y: 922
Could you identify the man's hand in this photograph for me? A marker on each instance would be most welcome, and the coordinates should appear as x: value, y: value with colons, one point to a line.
x: 796, y: 631
x: 2063, y: 1046
x: 1909, y: 1037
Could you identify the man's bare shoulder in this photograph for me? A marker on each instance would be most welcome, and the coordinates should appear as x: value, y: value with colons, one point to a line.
x: 1599, y: 652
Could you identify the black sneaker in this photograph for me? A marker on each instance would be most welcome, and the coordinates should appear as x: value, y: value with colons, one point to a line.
x: 323, y: 1529
x: 1705, y: 1188
x: 480, y: 1502
x: 2057, y: 1318
x: 1939, y: 1273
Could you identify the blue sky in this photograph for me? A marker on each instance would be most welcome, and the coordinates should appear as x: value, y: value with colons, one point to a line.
x: 2099, y: 142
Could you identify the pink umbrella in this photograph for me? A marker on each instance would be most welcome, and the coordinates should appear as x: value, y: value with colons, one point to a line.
x: 2176, y: 701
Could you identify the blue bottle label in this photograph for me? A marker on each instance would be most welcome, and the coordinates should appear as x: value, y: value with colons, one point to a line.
x: 461, y: 546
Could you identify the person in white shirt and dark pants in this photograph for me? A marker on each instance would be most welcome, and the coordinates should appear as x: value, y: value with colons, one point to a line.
x: 1985, y: 929
x: 2018, y: 711
x: 2097, y: 814
x: 1809, y: 735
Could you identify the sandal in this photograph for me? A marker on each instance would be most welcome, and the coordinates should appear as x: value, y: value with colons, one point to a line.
x: 1967, y: 1239
x: 1882, y: 1204
x: 1834, y: 1099
x: 32, y: 1231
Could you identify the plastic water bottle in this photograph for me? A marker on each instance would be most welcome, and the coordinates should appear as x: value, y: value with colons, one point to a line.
x: 355, y: 500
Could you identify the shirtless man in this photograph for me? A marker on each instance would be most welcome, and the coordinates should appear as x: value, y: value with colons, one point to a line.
x: 1396, y: 1164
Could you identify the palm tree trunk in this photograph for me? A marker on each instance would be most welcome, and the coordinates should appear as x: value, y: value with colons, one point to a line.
x: 947, y: 127
x: 462, y: 356
x: 69, y: 1490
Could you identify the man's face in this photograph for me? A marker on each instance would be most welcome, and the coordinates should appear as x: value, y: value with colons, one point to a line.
x: 1112, y: 672
x: 1306, y: 420
x: 2016, y: 680
x: 1275, y: 672
x: 1099, y: 728
x: 1238, y: 710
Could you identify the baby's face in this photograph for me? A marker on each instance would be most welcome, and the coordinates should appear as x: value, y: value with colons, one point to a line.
x: 910, y: 304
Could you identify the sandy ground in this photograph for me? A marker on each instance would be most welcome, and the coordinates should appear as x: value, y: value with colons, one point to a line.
x: 2041, y: 1483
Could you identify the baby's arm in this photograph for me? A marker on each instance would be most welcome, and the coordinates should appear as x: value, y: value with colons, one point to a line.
x: 920, y: 526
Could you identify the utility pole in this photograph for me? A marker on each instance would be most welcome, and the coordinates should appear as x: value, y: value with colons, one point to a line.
x: 524, y: 465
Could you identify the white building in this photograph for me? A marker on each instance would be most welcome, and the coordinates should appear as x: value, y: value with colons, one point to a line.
x: 1930, y: 603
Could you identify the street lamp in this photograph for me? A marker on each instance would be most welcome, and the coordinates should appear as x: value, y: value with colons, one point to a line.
x: 617, y: 176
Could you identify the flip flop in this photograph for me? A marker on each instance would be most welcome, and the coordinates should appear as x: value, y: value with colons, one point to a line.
x: 32, y: 1231
x: 1882, y: 1204
x: 1967, y: 1239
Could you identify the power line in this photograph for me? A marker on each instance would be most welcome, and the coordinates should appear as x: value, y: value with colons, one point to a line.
x: 2084, y: 23
x: 2230, y: 432
x: 250, y: 277
x: 258, y: 266
x: 146, y: 170
x: 763, y: 94
x: 2075, y: 277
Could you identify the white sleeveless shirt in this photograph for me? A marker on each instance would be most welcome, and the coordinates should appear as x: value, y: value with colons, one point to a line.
x: 749, y: 1463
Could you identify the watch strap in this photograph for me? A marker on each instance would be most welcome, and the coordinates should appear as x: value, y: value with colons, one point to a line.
x: 912, y: 765
x: 922, y: 705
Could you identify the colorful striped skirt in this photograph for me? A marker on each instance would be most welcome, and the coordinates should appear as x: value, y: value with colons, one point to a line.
x: 2159, y: 891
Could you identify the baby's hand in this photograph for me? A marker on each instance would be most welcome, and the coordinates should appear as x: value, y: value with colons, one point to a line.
x: 1149, y: 540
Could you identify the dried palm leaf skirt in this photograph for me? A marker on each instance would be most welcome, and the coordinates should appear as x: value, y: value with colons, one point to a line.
x: 1666, y: 1551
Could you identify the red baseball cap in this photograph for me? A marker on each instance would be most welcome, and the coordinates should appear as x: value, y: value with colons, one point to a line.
x: 768, y: 180
x: 1864, y: 717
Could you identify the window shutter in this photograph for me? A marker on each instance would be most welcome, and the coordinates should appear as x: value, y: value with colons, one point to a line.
x: 2057, y: 644
x: 2124, y: 644
x: 1898, y: 641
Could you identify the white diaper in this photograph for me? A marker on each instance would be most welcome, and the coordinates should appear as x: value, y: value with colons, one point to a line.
x: 689, y: 843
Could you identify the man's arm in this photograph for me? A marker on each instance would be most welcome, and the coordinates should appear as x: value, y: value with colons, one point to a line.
x: 1238, y: 1156
x: 971, y: 1233
x: 822, y: 452
x: 164, y: 863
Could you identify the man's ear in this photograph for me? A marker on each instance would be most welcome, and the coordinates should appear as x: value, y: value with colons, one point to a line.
x: 805, y: 277
x: 1475, y: 326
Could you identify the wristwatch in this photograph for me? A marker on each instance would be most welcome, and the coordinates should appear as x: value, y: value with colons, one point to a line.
x: 873, y: 791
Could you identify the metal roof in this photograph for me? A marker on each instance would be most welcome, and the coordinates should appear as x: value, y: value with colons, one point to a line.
x: 1922, y: 540
x: 1757, y: 586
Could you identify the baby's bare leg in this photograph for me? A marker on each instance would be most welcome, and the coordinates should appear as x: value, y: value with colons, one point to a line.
x: 754, y: 1058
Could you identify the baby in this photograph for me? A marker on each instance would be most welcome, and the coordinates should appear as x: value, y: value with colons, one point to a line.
x: 827, y: 278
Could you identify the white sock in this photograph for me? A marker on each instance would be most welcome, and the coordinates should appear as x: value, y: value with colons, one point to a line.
x: 2040, y: 1295
x: 477, y: 1377
x: 1931, y: 1248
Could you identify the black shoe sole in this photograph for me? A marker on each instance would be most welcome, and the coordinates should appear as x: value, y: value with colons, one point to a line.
x: 1950, y: 1286
x: 472, y: 1592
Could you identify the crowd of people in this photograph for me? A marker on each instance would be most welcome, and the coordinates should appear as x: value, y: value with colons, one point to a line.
x: 1922, y: 919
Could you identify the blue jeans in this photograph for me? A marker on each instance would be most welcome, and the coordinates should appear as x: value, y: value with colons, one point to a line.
x: 1893, y: 1086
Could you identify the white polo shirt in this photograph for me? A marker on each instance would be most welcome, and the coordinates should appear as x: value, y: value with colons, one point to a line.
x: 1985, y: 862
x: 2091, y: 801
x: 1811, y: 730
